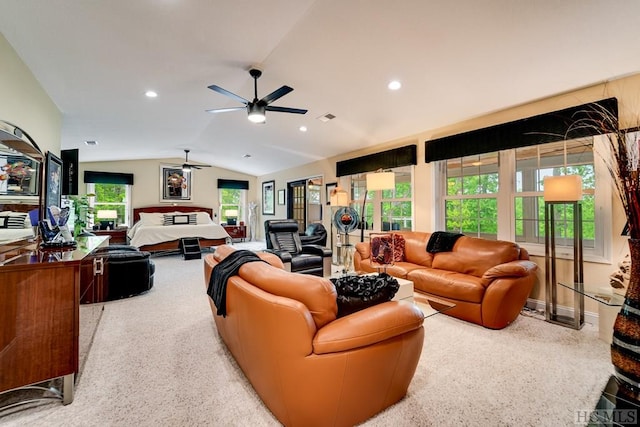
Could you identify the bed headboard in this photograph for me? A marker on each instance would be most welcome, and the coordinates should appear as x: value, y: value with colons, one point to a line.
x: 169, y: 209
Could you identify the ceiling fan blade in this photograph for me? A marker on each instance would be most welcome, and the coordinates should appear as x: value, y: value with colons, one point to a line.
x: 227, y: 93
x: 200, y: 166
x: 224, y: 110
x: 278, y: 93
x: 285, y: 109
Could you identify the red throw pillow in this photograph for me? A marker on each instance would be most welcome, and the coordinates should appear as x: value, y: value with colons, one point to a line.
x: 398, y: 248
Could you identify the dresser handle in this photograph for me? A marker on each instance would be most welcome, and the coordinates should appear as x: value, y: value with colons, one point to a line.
x: 98, y: 266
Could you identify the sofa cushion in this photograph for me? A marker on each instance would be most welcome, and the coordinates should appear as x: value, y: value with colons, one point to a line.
x: 414, y: 248
x: 448, y: 284
x: 471, y: 255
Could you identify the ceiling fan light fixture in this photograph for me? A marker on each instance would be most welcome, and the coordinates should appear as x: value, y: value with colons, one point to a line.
x: 256, y: 113
x: 186, y: 168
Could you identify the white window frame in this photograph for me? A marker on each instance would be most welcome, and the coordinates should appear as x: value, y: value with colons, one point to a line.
x: 506, y: 198
x: 128, y: 211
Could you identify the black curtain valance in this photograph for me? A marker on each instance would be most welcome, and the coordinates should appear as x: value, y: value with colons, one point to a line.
x: 402, y: 156
x: 108, y: 177
x: 233, y: 184
x: 541, y: 129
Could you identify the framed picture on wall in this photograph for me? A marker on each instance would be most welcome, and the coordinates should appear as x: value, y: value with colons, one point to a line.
x: 175, y: 184
x: 281, y: 197
x: 53, y: 180
x: 268, y: 198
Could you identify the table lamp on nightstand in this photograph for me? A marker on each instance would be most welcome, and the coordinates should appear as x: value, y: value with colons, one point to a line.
x: 232, y: 216
x: 107, y: 219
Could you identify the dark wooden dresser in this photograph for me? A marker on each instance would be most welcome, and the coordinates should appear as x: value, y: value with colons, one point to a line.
x: 39, y: 313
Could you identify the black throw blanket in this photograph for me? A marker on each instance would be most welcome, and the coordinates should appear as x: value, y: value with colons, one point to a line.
x: 226, y: 268
x: 442, y: 241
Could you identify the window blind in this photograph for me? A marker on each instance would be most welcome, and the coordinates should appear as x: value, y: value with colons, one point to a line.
x: 108, y: 177
x: 233, y: 184
x: 541, y: 129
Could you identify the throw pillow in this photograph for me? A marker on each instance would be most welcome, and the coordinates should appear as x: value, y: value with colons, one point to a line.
x: 16, y: 220
x: 355, y: 293
x: 398, y: 247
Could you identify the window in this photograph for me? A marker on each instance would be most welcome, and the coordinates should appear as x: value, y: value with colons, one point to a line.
x: 111, y: 197
x: 387, y: 209
x: 470, y: 201
x: 232, y: 204
x: 499, y: 195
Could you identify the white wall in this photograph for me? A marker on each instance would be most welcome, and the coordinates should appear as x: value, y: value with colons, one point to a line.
x: 146, y: 178
x: 25, y: 103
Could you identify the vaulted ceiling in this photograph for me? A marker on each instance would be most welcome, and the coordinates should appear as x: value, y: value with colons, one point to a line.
x: 455, y: 59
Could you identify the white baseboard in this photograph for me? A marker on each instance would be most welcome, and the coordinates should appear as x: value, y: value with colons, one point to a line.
x: 539, y: 306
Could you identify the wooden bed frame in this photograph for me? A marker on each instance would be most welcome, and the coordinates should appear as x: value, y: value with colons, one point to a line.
x: 174, y: 245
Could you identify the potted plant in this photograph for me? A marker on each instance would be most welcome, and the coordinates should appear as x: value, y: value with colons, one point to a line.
x: 82, y: 212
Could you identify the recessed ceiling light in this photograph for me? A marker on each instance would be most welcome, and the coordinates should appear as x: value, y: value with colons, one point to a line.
x: 303, y: 128
x: 394, y: 85
x: 91, y: 143
x: 150, y: 94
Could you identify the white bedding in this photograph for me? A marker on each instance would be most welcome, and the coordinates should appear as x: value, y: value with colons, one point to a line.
x: 150, y: 231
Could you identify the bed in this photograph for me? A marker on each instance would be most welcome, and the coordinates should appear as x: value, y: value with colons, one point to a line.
x: 160, y: 228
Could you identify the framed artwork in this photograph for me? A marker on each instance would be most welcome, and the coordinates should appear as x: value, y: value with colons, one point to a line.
x: 175, y: 184
x: 53, y: 180
x: 281, y: 197
x: 328, y: 189
x: 268, y: 198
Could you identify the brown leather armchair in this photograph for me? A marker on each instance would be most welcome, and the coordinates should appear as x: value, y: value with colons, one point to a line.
x: 283, y: 239
x: 309, y: 367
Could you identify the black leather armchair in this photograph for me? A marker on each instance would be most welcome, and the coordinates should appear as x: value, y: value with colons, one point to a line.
x: 315, y: 234
x: 283, y: 239
x: 129, y: 271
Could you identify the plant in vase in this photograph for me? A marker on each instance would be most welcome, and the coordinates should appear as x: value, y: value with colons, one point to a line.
x: 82, y: 212
x: 623, y: 162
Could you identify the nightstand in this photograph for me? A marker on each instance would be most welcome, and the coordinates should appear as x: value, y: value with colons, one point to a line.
x: 236, y: 231
x: 118, y: 236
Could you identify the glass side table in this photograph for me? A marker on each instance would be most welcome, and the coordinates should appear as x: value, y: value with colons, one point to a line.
x: 608, y: 307
x: 612, y: 300
x: 438, y: 305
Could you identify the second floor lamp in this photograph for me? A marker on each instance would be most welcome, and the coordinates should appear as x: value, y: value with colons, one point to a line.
x: 378, y: 180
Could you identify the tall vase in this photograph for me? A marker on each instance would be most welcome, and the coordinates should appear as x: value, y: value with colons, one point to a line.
x: 625, y: 346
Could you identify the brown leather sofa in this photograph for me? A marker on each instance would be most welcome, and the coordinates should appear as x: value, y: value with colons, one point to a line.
x: 488, y: 280
x: 309, y: 367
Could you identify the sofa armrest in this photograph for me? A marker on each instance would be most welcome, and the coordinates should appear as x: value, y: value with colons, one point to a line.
x: 317, y: 250
x: 520, y: 268
x: 283, y: 255
x: 364, y: 250
x: 369, y: 326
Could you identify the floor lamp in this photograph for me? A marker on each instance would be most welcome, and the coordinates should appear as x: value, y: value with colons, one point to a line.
x: 376, y: 181
x: 338, y: 198
x: 563, y: 190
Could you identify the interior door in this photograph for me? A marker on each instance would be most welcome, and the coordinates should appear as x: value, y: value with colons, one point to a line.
x: 297, y: 202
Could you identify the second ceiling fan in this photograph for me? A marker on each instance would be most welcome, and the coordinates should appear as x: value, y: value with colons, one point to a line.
x: 256, y: 108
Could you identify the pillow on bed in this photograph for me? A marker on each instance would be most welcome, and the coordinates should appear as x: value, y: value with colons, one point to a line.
x: 203, y: 218
x: 14, y: 220
x: 151, y: 218
x: 179, y: 219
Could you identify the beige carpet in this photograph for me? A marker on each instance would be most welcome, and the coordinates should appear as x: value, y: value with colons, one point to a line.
x: 157, y: 360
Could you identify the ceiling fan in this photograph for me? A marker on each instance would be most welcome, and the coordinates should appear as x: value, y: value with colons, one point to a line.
x: 186, y: 166
x: 257, y: 107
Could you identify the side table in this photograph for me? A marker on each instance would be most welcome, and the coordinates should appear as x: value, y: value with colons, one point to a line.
x: 118, y: 236
x: 236, y: 231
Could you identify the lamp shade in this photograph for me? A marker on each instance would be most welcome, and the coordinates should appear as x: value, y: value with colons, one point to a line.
x: 231, y: 213
x: 107, y: 214
x: 339, y: 197
x: 381, y: 181
x: 565, y: 188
